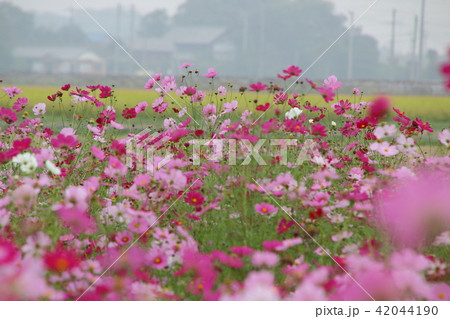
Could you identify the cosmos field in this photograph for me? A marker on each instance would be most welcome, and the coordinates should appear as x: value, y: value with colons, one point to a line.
x: 266, y: 192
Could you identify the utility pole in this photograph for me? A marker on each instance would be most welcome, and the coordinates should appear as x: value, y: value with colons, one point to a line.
x: 392, y: 62
x: 262, y: 34
x: 413, y: 70
x: 116, y: 47
x: 350, y: 50
x: 421, y: 40
x: 132, y: 24
x: 394, y: 13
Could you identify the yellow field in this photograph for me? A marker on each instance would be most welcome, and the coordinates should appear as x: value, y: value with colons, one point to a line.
x: 429, y: 108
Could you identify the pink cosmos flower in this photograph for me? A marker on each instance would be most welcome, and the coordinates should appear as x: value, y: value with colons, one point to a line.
x: 292, y: 70
x: 141, y: 107
x: 159, y: 105
x: 222, y: 91
x: 39, y: 109
x: 194, y: 198
x: 264, y: 258
x: 189, y: 91
x: 174, y: 179
x: 209, y: 110
x: 185, y: 65
x: 76, y: 197
x: 211, y: 73
x: 77, y: 220
x: 341, y: 107
x: 12, y: 91
x: 20, y: 104
x: 356, y: 91
x: 116, y: 168
x: 318, y: 129
x: 384, y: 148
x: 379, y: 107
x: 157, y: 258
x: 241, y: 250
x: 198, y: 96
x: 332, y: 83
x: 257, y: 87
x: 384, y: 131
x: 259, y: 285
x: 265, y: 209
x: 98, y: 153
x: 8, y: 115
x: 25, y: 195
x: 416, y: 211
x: 327, y: 93
x: 230, y: 106
x: 124, y: 237
x: 64, y: 141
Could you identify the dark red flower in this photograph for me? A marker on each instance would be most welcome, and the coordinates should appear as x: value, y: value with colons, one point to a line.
x: 129, y: 113
x: 284, y: 225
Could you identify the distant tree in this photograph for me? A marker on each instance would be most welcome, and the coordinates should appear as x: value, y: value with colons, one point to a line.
x: 269, y: 35
x: 155, y: 23
x: 16, y: 27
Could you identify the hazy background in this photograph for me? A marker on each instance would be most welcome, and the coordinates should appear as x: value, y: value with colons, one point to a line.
x: 240, y: 38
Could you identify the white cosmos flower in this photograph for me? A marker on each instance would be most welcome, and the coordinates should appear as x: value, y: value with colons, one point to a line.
x: 293, y: 113
x: 27, y: 162
x: 55, y: 170
x: 333, y: 123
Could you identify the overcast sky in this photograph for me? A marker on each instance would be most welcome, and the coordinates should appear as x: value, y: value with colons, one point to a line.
x: 376, y: 22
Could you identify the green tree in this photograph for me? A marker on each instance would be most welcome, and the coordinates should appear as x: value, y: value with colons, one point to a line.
x: 155, y: 23
x: 268, y: 35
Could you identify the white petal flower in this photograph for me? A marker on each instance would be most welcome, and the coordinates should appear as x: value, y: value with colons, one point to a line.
x: 293, y: 113
x: 27, y: 162
x: 55, y: 170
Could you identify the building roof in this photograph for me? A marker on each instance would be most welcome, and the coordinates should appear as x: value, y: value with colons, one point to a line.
x: 60, y: 53
x: 177, y: 36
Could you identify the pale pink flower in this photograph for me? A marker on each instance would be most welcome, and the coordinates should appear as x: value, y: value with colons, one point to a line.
x: 384, y: 131
x: 230, y: 107
x: 12, y: 91
x: 356, y: 173
x: 384, y: 148
x: 444, y: 137
x: 209, y: 110
x: 264, y: 258
x: 116, y: 168
x: 24, y: 195
x: 140, y: 107
x: 222, y: 91
x: 35, y: 245
x: 39, y: 109
x: 76, y: 197
x: 332, y: 83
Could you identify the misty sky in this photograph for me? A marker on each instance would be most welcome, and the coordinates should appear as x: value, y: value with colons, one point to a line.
x: 377, y: 22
